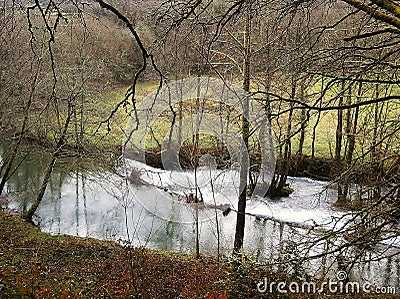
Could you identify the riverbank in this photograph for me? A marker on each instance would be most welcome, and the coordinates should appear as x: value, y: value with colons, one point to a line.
x: 34, y: 264
x: 319, y: 168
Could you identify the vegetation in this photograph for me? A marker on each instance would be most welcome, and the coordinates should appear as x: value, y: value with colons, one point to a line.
x: 36, y: 265
x: 323, y: 76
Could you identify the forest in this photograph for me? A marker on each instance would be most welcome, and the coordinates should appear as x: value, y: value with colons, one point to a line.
x: 262, y: 134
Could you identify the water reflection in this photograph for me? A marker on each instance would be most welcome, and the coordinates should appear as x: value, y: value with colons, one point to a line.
x: 107, y: 206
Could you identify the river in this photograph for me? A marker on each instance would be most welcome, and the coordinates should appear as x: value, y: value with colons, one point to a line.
x: 150, y: 210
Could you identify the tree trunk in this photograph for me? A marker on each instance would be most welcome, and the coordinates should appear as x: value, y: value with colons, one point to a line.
x: 348, y: 121
x: 302, y: 132
x: 353, y: 132
x: 314, y: 132
x: 339, y: 128
x: 374, y: 151
x: 244, y: 167
x: 288, y: 144
x: 338, y: 147
x: 29, y: 213
x: 6, y: 168
x: 304, y: 121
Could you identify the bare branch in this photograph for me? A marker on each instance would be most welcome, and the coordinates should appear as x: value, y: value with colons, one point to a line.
x: 145, y: 57
x: 370, y: 34
x: 378, y: 14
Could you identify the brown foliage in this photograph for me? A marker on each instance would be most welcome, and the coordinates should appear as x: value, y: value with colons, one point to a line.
x: 37, y: 265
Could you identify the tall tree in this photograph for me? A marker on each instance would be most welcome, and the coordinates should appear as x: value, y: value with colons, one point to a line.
x: 244, y: 166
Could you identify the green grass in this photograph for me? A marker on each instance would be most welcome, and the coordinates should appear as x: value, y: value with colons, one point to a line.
x: 326, y: 129
x: 109, y: 136
x: 97, y: 133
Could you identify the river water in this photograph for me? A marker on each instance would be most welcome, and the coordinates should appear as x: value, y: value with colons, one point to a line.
x: 150, y: 210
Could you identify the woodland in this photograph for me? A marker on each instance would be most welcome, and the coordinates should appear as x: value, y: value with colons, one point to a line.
x: 321, y: 79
